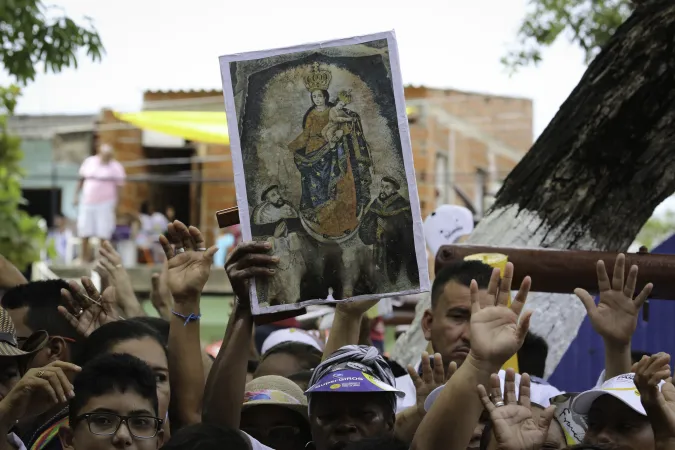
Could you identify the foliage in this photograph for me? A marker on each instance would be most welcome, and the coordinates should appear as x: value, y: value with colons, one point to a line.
x: 586, y: 23
x: 656, y: 230
x: 32, y: 38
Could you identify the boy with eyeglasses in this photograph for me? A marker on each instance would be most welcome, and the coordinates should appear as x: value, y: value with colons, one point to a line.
x: 115, y: 406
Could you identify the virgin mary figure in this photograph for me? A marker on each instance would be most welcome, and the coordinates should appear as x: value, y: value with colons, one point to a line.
x: 335, y: 173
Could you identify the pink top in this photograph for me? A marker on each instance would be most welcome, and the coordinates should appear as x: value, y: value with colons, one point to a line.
x: 100, y: 180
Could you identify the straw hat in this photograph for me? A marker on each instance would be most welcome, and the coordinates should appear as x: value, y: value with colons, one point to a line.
x: 277, y: 391
x: 9, y: 346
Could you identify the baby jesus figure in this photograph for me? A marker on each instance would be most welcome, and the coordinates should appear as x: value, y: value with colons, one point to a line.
x: 333, y: 131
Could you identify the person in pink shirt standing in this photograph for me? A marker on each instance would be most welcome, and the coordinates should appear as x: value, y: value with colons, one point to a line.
x: 101, y: 179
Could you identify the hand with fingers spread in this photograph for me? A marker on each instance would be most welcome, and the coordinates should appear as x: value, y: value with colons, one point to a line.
x: 38, y: 391
x: 615, y: 316
x: 86, y: 309
x: 659, y: 403
x: 496, y: 331
x: 189, y: 265
x: 109, y: 266
x: 515, y: 427
x: 431, y: 378
x: 248, y: 260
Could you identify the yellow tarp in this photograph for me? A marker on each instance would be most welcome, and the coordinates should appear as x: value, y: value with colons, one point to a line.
x: 207, y: 127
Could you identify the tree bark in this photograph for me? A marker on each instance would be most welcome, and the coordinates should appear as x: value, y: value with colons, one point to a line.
x: 596, y: 173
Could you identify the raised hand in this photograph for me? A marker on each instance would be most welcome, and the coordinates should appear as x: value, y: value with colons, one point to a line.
x: 615, y: 316
x: 659, y: 404
x: 87, y: 310
x: 248, y: 260
x: 189, y: 265
x: 355, y: 309
x: 38, y: 391
x: 111, y: 269
x: 496, y: 332
x: 514, y: 425
x: 430, y: 379
x: 160, y: 295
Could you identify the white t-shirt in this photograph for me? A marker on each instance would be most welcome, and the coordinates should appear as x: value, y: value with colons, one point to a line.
x: 255, y: 444
x: 540, y: 391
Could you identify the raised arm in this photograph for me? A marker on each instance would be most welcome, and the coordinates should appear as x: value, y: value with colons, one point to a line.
x: 346, y: 325
x: 10, y: 276
x: 189, y: 267
x: 616, y: 315
x: 225, y: 386
x: 110, y: 267
x: 496, y: 335
x: 659, y: 403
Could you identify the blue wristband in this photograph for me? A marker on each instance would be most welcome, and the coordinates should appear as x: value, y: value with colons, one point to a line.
x: 188, y: 319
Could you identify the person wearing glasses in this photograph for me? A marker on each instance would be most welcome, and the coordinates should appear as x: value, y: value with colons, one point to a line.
x: 25, y: 394
x: 115, y: 407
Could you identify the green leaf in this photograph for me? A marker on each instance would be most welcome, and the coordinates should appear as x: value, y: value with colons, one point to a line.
x: 587, y: 23
x: 29, y: 39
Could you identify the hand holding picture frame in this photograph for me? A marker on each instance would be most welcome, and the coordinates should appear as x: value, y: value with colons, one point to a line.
x: 324, y: 171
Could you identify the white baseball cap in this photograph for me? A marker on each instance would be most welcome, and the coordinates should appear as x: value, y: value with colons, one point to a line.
x: 540, y: 391
x: 289, y: 335
x: 621, y: 387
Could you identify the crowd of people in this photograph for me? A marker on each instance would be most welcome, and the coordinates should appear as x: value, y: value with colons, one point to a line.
x: 87, y: 370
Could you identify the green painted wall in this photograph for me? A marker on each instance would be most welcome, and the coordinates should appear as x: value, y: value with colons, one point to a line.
x: 41, y: 172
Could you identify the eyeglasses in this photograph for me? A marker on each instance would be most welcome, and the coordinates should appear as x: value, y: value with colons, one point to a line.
x: 278, y: 433
x: 107, y: 424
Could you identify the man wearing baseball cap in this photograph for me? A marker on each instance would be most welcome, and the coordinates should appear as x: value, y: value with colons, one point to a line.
x: 615, y: 415
x: 274, y: 414
x: 352, y: 397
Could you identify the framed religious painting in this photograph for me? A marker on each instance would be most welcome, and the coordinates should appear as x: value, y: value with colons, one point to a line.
x: 324, y: 171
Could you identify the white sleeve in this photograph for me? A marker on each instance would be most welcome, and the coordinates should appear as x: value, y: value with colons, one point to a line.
x: 15, y: 442
x: 255, y: 444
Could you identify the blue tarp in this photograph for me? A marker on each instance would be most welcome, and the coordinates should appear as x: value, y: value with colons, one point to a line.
x: 583, y: 362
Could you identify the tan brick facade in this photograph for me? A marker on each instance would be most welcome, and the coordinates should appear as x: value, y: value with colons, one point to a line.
x: 454, y: 134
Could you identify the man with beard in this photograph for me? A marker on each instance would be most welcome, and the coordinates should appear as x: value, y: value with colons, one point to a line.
x: 274, y: 216
x: 387, y: 225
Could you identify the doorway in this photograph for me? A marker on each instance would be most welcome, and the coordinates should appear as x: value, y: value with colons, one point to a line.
x: 45, y: 203
x: 170, y: 185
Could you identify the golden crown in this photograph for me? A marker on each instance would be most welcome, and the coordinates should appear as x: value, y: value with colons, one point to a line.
x: 317, y: 79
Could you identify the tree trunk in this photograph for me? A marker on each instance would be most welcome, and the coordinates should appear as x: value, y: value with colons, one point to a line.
x: 597, y: 172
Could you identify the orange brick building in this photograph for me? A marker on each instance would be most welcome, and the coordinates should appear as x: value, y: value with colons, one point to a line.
x: 463, y: 146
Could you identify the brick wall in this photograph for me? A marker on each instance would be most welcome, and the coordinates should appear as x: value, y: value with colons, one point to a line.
x: 216, y: 195
x: 509, y: 120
